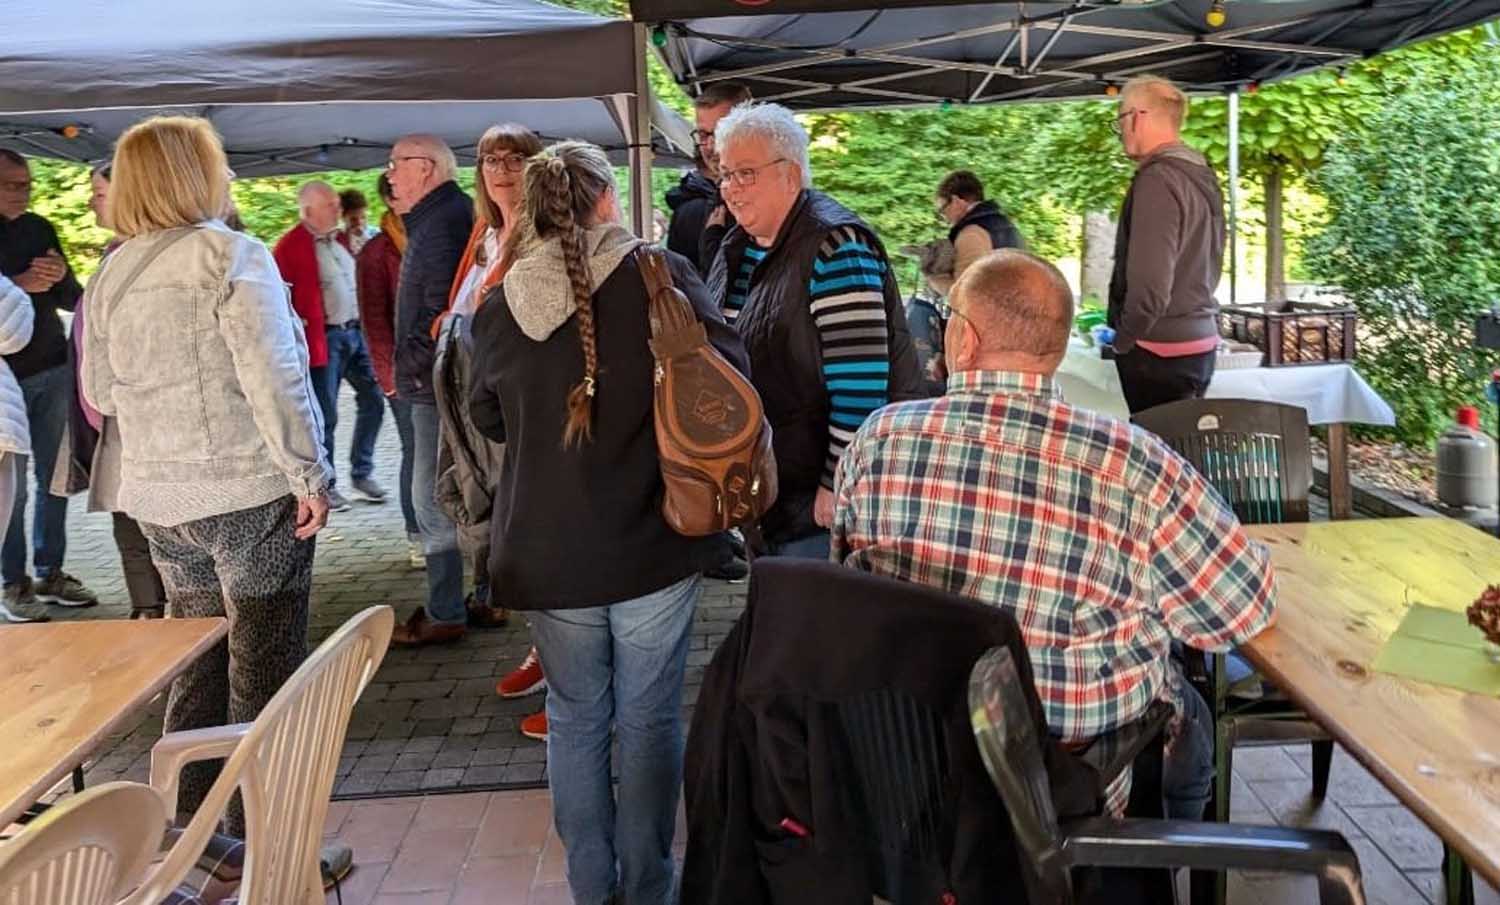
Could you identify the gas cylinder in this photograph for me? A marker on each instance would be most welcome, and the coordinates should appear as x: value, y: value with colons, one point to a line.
x: 1466, y: 468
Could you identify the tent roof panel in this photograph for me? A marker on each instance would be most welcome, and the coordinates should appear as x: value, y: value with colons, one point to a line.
x: 1032, y: 51
x: 260, y: 51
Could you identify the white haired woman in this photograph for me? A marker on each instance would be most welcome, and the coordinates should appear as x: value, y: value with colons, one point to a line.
x: 563, y: 376
x: 807, y: 284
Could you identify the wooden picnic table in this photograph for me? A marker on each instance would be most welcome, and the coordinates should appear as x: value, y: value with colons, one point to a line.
x: 67, y: 685
x: 1344, y: 587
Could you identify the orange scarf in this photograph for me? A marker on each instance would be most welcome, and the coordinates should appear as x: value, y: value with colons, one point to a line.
x: 494, y: 273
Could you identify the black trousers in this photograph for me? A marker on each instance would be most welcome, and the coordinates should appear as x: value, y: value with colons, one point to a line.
x: 1150, y: 380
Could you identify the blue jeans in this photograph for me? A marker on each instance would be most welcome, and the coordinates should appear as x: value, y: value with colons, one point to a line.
x: 621, y: 663
x: 445, y: 564
x: 401, y: 411
x: 813, y: 546
x: 1188, y: 771
x: 49, y: 401
x: 348, y: 359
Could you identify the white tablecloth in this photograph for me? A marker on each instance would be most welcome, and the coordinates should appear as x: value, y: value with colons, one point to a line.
x: 1331, y: 393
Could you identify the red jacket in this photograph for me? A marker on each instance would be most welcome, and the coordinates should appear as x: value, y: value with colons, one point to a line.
x: 379, y: 270
x: 297, y: 256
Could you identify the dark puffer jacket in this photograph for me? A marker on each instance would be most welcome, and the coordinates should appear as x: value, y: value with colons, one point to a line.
x: 987, y: 216
x: 786, y: 358
x: 437, y: 229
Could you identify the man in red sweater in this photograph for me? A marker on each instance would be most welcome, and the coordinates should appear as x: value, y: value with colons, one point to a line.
x: 321, y: 272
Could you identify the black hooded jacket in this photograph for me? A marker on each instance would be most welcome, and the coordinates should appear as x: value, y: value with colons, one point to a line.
x: 692, y: 201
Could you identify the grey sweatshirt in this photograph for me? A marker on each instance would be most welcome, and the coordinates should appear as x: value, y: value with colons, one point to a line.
x: 1169, y: 251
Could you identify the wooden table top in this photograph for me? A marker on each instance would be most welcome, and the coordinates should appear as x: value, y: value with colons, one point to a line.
x: 70, y: 684
x: 1343, y: 589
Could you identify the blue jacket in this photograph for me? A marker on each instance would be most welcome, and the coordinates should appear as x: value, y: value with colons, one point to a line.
x: 437, y: 229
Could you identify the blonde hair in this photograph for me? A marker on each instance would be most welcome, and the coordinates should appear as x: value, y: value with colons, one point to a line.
x: 563, y: 186
x: 168, y: 171
x: 504, y: 137
x: 1161, y: 96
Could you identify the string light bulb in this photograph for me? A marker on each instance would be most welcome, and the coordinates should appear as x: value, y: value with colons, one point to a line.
x: 1111, y: 90
x: 1217, y: 15
x: 659, y: 36
x: 69, y: 131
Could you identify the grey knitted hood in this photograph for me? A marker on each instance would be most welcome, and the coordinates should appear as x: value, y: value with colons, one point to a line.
x: 537, y: 288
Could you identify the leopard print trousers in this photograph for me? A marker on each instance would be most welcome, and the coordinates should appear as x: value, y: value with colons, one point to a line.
x: 248, y: 566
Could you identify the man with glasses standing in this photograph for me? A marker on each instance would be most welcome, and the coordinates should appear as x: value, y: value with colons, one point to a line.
x: 978, y: 226
x: 808, y: 286
x: 699, y: 218
x: 32, y: 257
x: 1169, y: 253
x: 422, y: 173
x: 314, y: 258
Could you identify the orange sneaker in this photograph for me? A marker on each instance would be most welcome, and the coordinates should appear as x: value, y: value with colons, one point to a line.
x: 535, y: 726
x: 523, y: 680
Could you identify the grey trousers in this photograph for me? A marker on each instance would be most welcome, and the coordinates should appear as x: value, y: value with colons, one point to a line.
x: 248, y: 566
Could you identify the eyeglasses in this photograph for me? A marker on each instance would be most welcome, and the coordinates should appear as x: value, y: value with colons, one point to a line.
x: 702, y: 136
x: 745, y: 177
x: 16, y: 186
x: 942, y: 205
x: 510, y: 163
x: 1118, y: 126
x: 396, y: 161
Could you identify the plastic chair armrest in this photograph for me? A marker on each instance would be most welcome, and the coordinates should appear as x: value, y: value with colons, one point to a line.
x: 176, y: 750
x: 1100, y: 842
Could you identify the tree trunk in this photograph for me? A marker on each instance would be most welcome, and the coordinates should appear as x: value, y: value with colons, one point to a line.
x: 1098, y: 256
x: 1275, y: 238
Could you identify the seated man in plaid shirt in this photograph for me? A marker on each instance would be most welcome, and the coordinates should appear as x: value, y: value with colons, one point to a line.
x: 1101, y: 541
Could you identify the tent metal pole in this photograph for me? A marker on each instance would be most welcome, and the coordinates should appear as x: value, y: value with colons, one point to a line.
x: 640, y: 141
x: 1234, y: 195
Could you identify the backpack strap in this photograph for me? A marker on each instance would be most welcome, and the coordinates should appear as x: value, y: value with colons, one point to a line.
x: 669, y: 309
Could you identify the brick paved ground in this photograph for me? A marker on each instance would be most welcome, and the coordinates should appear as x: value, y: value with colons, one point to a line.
x: 431, y: 722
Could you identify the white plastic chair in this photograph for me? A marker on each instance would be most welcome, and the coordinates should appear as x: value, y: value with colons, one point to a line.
x: 88, y: 849
x: 283, y: 764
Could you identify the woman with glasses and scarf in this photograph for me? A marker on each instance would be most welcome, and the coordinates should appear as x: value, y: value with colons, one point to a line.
x: 468, y: 462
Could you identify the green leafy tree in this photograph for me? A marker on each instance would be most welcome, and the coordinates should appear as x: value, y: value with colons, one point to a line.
x: 1413, y: 225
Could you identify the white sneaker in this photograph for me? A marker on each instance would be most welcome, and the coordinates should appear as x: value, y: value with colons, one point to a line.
x: 19, y: 604
x: 415, y: 556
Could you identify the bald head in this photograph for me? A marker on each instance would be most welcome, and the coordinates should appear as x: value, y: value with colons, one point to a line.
x: 319, y: 205
x: 1014, y: 312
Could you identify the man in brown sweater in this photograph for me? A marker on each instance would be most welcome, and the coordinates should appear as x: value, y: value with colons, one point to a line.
x: 1169, y: 253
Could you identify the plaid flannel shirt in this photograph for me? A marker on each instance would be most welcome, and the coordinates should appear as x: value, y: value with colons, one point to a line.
x: 1101, y: 541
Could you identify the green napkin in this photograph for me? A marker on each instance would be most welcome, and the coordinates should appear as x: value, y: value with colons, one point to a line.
x: 1440, y: 647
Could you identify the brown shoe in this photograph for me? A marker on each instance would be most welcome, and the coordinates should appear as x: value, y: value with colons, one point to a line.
x: 482, y: 615
x: 419, y: 630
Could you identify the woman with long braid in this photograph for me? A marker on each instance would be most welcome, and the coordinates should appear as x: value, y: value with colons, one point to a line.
x: 563, y: 376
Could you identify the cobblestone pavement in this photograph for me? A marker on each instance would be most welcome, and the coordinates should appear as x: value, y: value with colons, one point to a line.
x: 431, y: 721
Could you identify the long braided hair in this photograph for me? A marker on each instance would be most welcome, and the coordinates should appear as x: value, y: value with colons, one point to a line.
x: 563, y: 186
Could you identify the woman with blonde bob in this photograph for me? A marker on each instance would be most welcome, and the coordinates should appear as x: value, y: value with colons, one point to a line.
x: 563, y: 376
x: 191, y: 347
